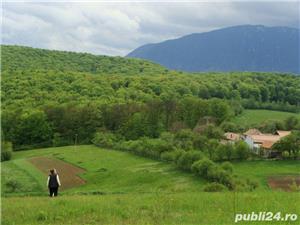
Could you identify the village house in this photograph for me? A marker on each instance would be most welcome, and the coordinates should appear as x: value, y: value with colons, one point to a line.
x: 258, y: 141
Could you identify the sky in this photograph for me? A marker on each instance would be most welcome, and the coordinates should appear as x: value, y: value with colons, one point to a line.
x: 116, y: 28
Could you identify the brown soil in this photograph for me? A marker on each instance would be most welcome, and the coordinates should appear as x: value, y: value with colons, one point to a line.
x: 68, y: 173
x: 283, y: 182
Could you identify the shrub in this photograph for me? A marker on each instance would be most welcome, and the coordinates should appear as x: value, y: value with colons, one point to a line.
x: 230, y: 127
x: 201, y: 167
x: 291, y: 122
x: 224, y: 152
x: 167, y: 136
x: 177, y: 154
x: 5, y: 155
x: 285, y: 154
x: 252, y: 184
x: 184, y: 139
x: 245, y: 184
x: 270, y: 126
x: 168, y: 156
x: 214, y: 187
x: 13, y: 185
x: 219, y: 153
x: 227, y: 166
x: 212, y: 131
x: 294, y: 187
x: 200, y: 142
x: 6, y: 150
x: 186, y: 160
x: 217, y: 174
x: 58, y: 140
x: 242, y: 150
x: 159, y: 145
x: 105, y: 139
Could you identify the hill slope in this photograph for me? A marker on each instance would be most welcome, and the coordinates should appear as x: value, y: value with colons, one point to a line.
x: 240, y: 48
x: 22, y: 58
x: 125, y: 189
x: 106, y: 171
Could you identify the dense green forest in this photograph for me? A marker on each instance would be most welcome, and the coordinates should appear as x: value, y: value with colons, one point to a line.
x: 54, y: 98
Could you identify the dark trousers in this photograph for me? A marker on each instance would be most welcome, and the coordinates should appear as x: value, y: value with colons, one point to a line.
x: 53, y: 191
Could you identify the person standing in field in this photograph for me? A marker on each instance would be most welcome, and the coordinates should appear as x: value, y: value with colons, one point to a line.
x: 53, y: 183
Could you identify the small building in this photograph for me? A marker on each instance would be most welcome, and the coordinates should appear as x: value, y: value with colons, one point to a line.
x: 258, y: 141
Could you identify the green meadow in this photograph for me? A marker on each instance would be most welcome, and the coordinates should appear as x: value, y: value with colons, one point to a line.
x: 253, y: 117
x: 123, y: 188
x: 191, y: 208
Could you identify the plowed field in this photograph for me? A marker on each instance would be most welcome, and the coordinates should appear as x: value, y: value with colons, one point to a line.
x: 68, y: 173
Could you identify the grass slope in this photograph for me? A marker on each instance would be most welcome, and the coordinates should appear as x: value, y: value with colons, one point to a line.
x: 125, y: 189
x: 261, y: 170
x: 252, y: 117
x: 145, y: 209
x: 107, y: 171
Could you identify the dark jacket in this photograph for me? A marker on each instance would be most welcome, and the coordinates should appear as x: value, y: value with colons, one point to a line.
x: 53, y: 181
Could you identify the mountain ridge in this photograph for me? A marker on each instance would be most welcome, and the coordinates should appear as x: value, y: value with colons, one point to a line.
x: 237, y: 48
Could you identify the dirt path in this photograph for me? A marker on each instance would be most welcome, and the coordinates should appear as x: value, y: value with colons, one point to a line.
x: 68, y: 173
x: 283, y: 182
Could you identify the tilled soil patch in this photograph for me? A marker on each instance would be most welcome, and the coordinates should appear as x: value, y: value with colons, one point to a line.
x: 283, y: 182
x: 68, y: 173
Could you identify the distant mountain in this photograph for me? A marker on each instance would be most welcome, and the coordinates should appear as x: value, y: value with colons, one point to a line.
x: 239, y: 48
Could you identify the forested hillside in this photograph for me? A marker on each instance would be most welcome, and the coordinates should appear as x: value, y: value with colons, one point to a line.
x: 51, y: 97
x: 17, y: 58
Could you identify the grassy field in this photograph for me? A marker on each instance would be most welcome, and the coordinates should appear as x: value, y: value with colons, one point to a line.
x: 126, y: 189
x: 107, y: 171
x: 261, y: 170
x: 255, y: 117
x: 194, y: 208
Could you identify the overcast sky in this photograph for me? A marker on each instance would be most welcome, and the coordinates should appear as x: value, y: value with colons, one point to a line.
x: 119, y: 27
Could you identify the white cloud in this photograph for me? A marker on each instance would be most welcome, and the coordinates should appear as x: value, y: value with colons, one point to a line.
x: 117, y: 28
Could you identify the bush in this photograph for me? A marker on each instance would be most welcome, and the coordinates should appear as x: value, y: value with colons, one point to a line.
x: 224, y: 151
x: 214, y: 187
x: 6, y: 150
x: 271, y: 126
x: 212, y: 131
x: 147, y: 147
x: 252, y: 184
x: 186, y: 160
x: 167, y: 136
x: 245, y: 185
x: 294, y: 187
x: 230, y: 127
x: 183, y: 139
x: 242, y: 150
x: 105, y: 139
x: 168, y: 156
x: 58, y: 140
x: 201, y: 167
x: 217, y: 174
x: 285, y: 154
x: 227, y: 166
x: 13, y: 185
